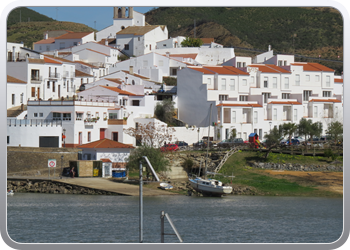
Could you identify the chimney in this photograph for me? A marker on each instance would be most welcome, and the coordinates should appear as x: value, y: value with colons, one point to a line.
x: 167, y: 54
x: 269, y: 47
x: 106, y: 41
x: 13, y: 53
x: 131, y: 70
x: 46, y: 36
x: 56, y: 53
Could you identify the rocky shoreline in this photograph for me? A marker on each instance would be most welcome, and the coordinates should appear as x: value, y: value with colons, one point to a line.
x: 296, y: 167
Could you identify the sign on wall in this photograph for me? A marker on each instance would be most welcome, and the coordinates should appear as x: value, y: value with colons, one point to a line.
x: 52, y: 163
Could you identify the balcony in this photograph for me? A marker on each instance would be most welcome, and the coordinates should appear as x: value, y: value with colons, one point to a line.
x: 54, y: 75
x: 36, y: 78
x: 117, y: 122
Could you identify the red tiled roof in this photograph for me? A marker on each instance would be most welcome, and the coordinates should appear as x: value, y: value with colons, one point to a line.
x: 137, y: 75
x: 207, y: 40
x: 105, y: 143
x: 193, y: 56
x: 46, y: 41
x: 73, y: 35
x: 313, y: 67
x: 98, y: 52
x: 105, y: 160
x: 285, y: 102
x: 239, y: 105
x: 116, y: 89
x: 226, y: 70
x: 79, y: 73
x: 116, y: 80
x: 325, y: 100
x: 338, y: 80
x: 49, y: 60
x: 14, y: 80
x: 87, y: 64
x: 269, y: 68
x: 203, y: 70
x: 237, y: 71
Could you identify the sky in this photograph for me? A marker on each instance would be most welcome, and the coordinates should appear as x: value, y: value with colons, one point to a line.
x: 94, y: 17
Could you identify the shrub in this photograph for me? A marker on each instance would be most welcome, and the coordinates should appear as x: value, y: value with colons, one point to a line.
x: 188, y: 164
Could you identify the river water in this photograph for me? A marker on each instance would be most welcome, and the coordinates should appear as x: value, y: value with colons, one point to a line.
x: 56, y: 218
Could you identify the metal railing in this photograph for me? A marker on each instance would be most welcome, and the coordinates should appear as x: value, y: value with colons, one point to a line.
x: 33, y: 122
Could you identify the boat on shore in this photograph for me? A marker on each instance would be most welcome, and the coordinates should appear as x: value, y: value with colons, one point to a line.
x: 165, y: 186
x: 210, y: 187
x: 10, y: 192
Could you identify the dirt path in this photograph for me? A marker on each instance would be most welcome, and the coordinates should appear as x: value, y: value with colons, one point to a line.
x: 328, y: 181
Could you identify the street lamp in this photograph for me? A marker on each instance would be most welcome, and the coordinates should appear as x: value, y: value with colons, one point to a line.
x: 270, y: 125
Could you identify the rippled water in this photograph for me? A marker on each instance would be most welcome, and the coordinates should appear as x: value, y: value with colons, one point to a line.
x: 48, y: 218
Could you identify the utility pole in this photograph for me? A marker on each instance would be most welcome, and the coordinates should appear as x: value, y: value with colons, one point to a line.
x: 141, y: 205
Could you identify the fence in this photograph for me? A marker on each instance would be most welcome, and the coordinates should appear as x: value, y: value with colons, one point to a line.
x: 33, y: 122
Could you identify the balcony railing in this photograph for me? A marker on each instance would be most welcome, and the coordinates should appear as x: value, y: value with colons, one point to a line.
x: 117, y: 122
x: 33, y: 122
x: 36, y: 78
x: 54, y: 75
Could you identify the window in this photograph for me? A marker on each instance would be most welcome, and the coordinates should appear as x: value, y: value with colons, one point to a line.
x: 315, y: 112
x: 286, y: 83
x: 79, y: 116
x: 22, y: 97
x: 285, y: 63
x: 307, y: 78
x: 274, y: 82
x: 209, y: 81
x: 295, y: 114
x: 115, y: 136
x: 232, y: 84
x: 56, y: 116
x: 239, y: 64
x: 41, y: 114
x: 75, y: 43
x: 8, y: 139
x: 126, y: 46
x: 35, y: 75
x: 113, y: 116
x: 35, y: 114
x: 252, y: 79
x: 279, y: 62
x: 317, y: 78
x: 244, y: 64
x: 266, y: 96
x: 223, y: 97
x: 62, y: 45
x: 243, y: 98
x: 138, y: 39
x: 285, y: 96
x: 53, y: 87
x: 297, y: 80
x: 306, y: 95
x: 64, y: 84
x: 173, y: 71
x: 233, y: 118
x: 13, y: 99
x: 135, y: 102
x: 223, y: 84
x: 255, y: 116
x: 266, y: 84
x: 275, y: 114
x: 326, y: 94
x: 328, y: 81
x: 66, y: 117
x: 48, y: 84
x: 244, y: 82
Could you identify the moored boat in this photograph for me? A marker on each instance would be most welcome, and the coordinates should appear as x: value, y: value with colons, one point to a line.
x: 10, y: 192
x: 165, y: 186
x: 210, y: 187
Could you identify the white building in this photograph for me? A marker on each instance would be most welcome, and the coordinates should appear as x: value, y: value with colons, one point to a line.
x: 122, y: 17
x: 16, y: 92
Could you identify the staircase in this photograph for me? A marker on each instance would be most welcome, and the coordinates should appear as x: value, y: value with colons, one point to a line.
x: 228, y: 154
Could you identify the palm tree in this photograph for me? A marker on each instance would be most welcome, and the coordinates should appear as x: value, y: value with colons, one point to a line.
x: 289, y: 129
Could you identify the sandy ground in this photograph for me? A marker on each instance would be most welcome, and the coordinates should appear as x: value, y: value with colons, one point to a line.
x: 329, y: 181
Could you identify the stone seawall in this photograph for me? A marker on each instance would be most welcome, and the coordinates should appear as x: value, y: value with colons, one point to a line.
x: 51, y: 187
x: 297, y: 167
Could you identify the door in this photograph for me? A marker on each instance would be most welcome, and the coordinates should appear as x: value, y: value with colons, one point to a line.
x: 59, y: 91
x: 102, y: 133
x: 115, y: 136
x: 38, y: 92
x: 80, y: 138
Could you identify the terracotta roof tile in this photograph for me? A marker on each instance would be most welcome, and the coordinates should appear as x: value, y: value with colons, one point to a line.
x: 269, y: 68
x: 313, y: 67
x: 105, y: 143
x: 137, y: 30
x: 14, y: 80
x: 285, y: 102
x: 46, y: 41
x: 35, y: 60
x: 203, y: 70
x: 79, y: 73
x: 116, y: 89
x: 49, y: 60
x: 338, y: 80
x: 207, y: 40
x: 116, y: 80
x: 73, y: 35
x: 105, y: 160
x: 86, y: 64
x: 325, y: 100
x: 192, y: 56
x: 239, y: 105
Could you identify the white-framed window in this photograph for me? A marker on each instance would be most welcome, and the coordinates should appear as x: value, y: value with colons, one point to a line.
x: 286, y: 83
x: 255, y: 116
x: 252, y: 79
x: 244, y: 82
x: 285, y: 96
x: 317, y: 78
x: 243, y: 98
x: 280, y: 62
x: 275, y: 114
x: 35, y: 114
x: 297, y: 80
x: 274, y: 82
x: 306, y: 95
x: 307, y: 78
x: 56, y: 116
x: 266, y: 83
x: 328, y: 81
x: 326, y: 93
x: 223, y: 84
x: 295, y: 113
x: 233, y: 117
x: 79, y: 116
x: 66, y: 116
x: 41, y: 115
x: 315, y: 112
x: 89, y: 136
x: 223, y: 97
x: 239, y: 64
x: 232, y: 85
x: 266, y: 96
x: 209, y: 81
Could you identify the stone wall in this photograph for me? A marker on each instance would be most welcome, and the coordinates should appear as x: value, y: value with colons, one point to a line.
x: 31, y: 159
x: 296, y: 167
x: 51, y: 187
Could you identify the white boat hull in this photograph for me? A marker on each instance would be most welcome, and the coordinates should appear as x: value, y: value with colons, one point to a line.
x: 200, y: 185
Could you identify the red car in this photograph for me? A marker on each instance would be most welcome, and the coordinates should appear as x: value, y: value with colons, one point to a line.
x: 169, y: 147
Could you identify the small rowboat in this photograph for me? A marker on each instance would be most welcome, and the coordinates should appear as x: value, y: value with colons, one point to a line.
x: 165, y: 186
x: 10, y: 192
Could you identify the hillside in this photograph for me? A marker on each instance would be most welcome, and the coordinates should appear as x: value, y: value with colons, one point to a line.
x: 291, y: 30
x: 23, y: 14
x: 29, y: 32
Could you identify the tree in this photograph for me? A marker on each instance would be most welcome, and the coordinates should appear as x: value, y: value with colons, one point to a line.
x: 288, y: 130
x: 164, y: 111
x: 273, y: 139
x: 315, y: 129
x: 151, y: 134
x: 233, y: 133
x: 335, y: 130
x: 155, y: 157
x: 303, y: 127
x: 192, y: 42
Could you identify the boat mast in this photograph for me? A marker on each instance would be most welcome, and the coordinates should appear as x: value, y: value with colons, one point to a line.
x: 206, y: 161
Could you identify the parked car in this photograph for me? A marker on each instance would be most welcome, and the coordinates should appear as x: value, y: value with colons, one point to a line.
x: 301, y: 139
x: 202, y: 143
x: 230, y: 142
x: 169, y: 147
x: 181, y: 143
x: 294, y: 142
x: 314, y: 139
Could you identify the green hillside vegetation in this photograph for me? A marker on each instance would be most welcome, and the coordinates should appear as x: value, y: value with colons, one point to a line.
x: 30, y: 32
x: 23, y: 14
x: 291, y: 30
